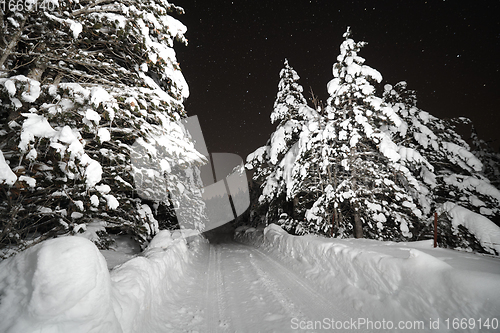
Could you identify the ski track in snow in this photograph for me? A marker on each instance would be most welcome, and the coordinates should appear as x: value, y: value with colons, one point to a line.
x: 215, y: 300
x: 248, y: 291
x: 312, y: 301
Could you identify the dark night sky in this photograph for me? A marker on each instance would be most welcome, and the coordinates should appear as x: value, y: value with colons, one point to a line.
x: 446, y: 50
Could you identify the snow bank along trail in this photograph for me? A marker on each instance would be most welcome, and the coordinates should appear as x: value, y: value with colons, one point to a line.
x: 64, y: 285
x: 406, y: 283
x: 278, y: 283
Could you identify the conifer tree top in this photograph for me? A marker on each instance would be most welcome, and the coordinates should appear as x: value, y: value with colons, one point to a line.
x: 289, y: 97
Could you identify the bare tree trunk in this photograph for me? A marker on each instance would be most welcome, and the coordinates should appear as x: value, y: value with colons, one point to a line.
x: 358, y: 226
x: 3, y: 41
x: 333, y: 224
x: 12, y: 44
x: 294, y: 209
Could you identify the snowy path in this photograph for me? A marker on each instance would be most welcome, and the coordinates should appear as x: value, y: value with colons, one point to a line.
x: 369, y: 286
x: 182, y: 283
x: 248, y: 291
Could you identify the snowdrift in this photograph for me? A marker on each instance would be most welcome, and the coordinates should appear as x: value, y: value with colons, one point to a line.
x: 384, y: 279
x: 63, y: 285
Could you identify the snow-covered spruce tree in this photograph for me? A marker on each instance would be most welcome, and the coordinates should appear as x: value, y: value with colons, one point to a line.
x: 309, y: 167
x: 81, y: 82
x: 363, y: 189
x: 269, y: 162
x: 442, y: 162
x: 488, y: 156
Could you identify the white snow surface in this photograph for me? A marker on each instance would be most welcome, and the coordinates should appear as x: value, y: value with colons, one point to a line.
x: 31, y: 87
x: 103, y: 134
x: 257, y: 155
x: 10, y: 87
x: 394, y: 281
x: 63, y: 285
x: 37, y: 126
x: 34, y: 126
x: 181, y: 284
x: 7, y: 176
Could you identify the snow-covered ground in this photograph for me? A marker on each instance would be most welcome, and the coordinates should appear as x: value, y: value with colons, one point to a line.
x: 266, y: 281
x: 411, y: 283
x: 64, y: 285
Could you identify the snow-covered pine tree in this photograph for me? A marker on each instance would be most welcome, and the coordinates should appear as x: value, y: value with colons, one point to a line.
x: 289, y: 98
x: 442, y: 162
x: 269, y: 162
x: 362, y: 184
x: 81, y: 82
x: 488, y: 156
x: 310, y: 167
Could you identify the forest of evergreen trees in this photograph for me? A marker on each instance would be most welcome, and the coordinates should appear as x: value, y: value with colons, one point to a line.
x: 88, y: 87
x: 365, y: 165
